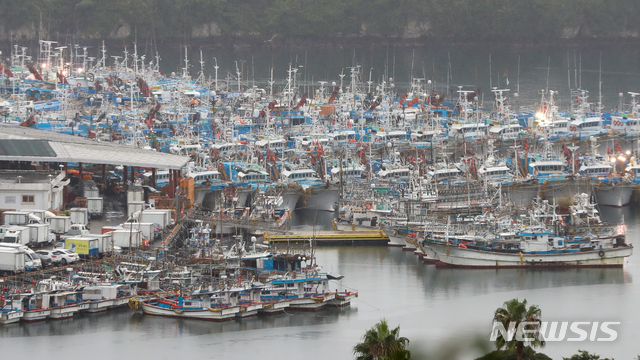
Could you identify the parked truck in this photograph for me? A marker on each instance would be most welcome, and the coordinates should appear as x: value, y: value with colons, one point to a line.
x: 18, y: 235
x: 162, y: 218
x: 12, y: 260
x: 75, y: 230
x: 3, y: 230
x: 148, y: 229
x: 32, y: 260
x: 15, y: 218
x: 134, y: 206
x: 60, y: 224
x: 39, y: 214
x: 127, y: 238
x: 79, y: 216
x: 95, y: 206
x: 85, y: 247
x: 105, y: 245
x: 40, y: 234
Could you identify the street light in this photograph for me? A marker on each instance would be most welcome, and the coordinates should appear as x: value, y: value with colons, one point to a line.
x: 50, y: 176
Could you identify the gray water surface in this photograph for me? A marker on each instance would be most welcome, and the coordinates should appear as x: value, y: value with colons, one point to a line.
x: 435, y: 308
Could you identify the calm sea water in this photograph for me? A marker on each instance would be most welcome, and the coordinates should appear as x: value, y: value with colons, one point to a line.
x: 437, y: 309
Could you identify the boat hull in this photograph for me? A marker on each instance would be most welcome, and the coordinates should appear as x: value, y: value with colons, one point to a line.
x: 614, y: 195
x: 99, y: 306
x: 11, y: 317
x: 36, y: 315
x: 224, y: 314
x: 459, y: 257
x: 64, y: 312
x: 343, y: 299
x: 312, y: 303
x: 322, y: 198
x: 249, y: 310
x: 272, y: 308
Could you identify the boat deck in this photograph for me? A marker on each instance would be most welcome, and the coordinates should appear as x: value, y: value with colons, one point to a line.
x: 332, y: 238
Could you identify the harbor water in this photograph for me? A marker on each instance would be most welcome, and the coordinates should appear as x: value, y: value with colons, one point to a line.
x: 437, y: 309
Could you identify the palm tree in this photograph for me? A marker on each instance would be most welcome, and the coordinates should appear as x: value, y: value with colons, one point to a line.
x: 380, y: 343
x: 514, y: 311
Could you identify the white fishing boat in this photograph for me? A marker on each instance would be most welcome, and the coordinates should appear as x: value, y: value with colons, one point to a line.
x: 64, y: 304
x: 535, y: 249
x: 11, y: 311
x: 34, y: 305
x: 201, y: 306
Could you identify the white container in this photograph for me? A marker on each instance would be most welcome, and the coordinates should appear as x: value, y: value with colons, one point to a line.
x: 79, y: 216
x: 135, y: 194
x: 134, y: 206
x: 40, y: 214
x: 127, y: 238
x: 91, y: 192
x: 12, y: 260
x: 155, y: 217
x: 39, y: 234
x: 94, y: 206
x: 17, y: 235
x: 147, y: 229
x: 15, y: 218
x: 60, y: 224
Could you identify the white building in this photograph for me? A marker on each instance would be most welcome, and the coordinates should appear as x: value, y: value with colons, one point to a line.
x: 27, y: 189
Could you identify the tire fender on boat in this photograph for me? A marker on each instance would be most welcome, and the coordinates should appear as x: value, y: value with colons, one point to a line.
x: 601, y: 253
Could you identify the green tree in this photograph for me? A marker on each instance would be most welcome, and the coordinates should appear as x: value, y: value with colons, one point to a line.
x: 584, y: 355
x: 381, y: 343
x: 514, y: 311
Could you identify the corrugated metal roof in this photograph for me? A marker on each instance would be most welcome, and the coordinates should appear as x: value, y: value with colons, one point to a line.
x: 67, y: 148
x: 13, y: 147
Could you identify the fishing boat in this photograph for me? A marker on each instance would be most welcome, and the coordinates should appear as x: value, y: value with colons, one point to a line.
x: 11, y: 311
x: 200, y: 306
x: 102, y: 297
x: 34, y: 305
x: 309, y: 292
x: 534, y: 248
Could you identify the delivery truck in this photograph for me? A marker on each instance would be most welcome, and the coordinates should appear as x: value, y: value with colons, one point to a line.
x: 134, y: 207
x: 40, y: 235
x: 127, y: 238
x: 15, y: 217
x: 59, y: 224
x: 148, y: 229
x: 162, y: 218
x: 95, y: 206
x: 79, y: 216
x: 85, y: 247
x: 12, y: 260
x: 32, y: 260
x: 105, y: 243
x: 17, y: 235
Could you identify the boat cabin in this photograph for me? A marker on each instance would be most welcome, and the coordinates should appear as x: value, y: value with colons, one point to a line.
x: 586, y: 127
x: 254, y: 177
x: 343, y: 137
x: 402, y: 173
x: 203, y: 177
x: 300, y: 175
x: 547, y: 168
x: 277, y: 145
x: 185, y: 150
x: 391, y: 136
x: 468, y: 131
x: 507, y: 132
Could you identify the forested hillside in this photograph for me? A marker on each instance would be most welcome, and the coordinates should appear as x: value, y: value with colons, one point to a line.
x: 457, y: 20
